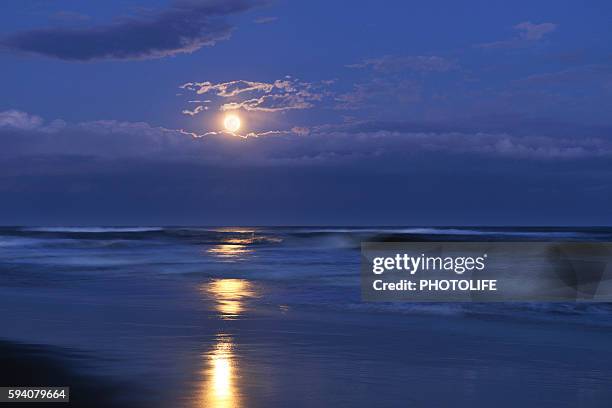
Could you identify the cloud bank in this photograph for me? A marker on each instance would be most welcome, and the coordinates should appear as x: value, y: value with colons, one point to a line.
x: 23, y: 136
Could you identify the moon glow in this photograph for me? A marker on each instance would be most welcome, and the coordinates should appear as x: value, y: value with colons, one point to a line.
x: 231, y: 123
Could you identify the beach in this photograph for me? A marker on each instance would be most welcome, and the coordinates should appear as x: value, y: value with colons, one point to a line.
x: 261, y: 317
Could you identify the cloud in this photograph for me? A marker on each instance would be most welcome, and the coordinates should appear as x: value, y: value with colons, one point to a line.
x: 596, y: 73
x: 517, y: 125
x: 388, y: 142
x: 232, y: 88
x: 276, y: 96
x: 528, y: 34
x: 18, y: 120
x: 198, y: 109
x: 186, y: 26
x: 26, y: 135
x: 273, y: 103
x: 534, y: 32
x: 379, y: 93
x: 420, y: 63
x: 70, y: 16
x: 265, y: 20
x: 300, y: 131
x: 87, y: 171
x: 385, y: 138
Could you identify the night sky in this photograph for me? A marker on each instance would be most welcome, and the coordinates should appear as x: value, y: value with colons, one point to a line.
x: 352, y: 113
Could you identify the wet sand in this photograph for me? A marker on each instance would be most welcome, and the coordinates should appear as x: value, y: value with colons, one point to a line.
x: 280, y: 358
x: 36, y: 365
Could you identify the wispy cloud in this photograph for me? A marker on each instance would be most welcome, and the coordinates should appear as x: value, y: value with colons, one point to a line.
x: 422, y: 63
x: 198, y: 109
x: 18, y: 120
x: 274, y: 103
x: 533, y: 32
x: 70, y: 16
x: 279, y: 95
x: 233, y: 88
x: 528, y: 33
x: 265, y: 20
x: 299, y: 131
x: 184, y: 27
x: 598, y: 73
x: 258, y: 98
x: 380, y: 93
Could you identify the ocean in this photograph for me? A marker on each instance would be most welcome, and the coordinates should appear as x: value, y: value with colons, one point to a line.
x: 256, y: 316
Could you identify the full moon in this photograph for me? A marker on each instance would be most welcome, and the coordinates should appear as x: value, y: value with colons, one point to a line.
x: 231, y: 123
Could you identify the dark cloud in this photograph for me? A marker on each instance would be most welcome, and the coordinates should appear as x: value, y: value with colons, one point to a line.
x: 184, y: 27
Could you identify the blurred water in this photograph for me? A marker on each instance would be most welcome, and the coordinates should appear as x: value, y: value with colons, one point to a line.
x: 310, y: 268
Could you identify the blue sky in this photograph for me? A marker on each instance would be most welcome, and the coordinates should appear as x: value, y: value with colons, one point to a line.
x: 405, y: 113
